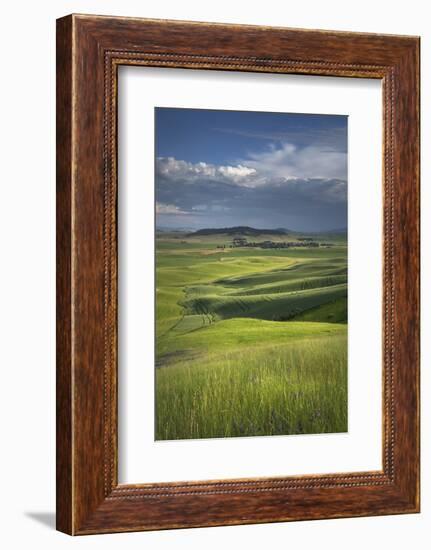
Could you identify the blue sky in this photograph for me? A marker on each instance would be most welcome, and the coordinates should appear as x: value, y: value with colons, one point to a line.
x: 225, y: 168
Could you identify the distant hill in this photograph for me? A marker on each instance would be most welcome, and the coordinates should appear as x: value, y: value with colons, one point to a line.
x: 238, y: 230
x: 337, y: 231
x: 247, y: 231
x: 163, y: 229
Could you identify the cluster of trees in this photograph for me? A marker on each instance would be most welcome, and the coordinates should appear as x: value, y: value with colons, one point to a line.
x: 241, y: 242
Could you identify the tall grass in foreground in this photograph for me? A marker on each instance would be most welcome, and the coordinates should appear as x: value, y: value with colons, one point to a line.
x: 298, y: 388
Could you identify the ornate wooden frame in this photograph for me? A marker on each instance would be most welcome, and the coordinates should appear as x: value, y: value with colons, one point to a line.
x: 89, y: 51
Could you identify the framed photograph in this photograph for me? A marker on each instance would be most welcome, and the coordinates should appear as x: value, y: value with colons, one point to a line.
x: 237, y: 274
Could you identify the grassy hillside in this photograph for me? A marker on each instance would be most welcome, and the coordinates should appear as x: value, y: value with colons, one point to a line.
x: 294, y: 389
x: 249, y: 341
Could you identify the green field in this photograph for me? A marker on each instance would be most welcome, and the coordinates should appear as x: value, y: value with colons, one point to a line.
x: 249, y: 341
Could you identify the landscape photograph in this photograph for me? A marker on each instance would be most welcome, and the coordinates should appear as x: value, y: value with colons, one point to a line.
x: 251, y: 282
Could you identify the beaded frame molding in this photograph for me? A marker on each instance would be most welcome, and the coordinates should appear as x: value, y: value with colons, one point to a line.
x: 89, y: 51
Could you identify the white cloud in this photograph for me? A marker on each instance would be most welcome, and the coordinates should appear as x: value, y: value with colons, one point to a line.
x: 303, y: 136
x: 236, y: 172
x: 276, y: 163
x: 168, y: 209
x: 174, y: 169
x: 289, y: 161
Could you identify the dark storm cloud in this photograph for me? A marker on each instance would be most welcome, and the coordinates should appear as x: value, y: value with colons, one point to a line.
x: 207, y: 195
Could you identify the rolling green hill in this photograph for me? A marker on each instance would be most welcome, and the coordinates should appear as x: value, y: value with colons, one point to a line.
x: 280, y: 306
x: 249, y: 341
